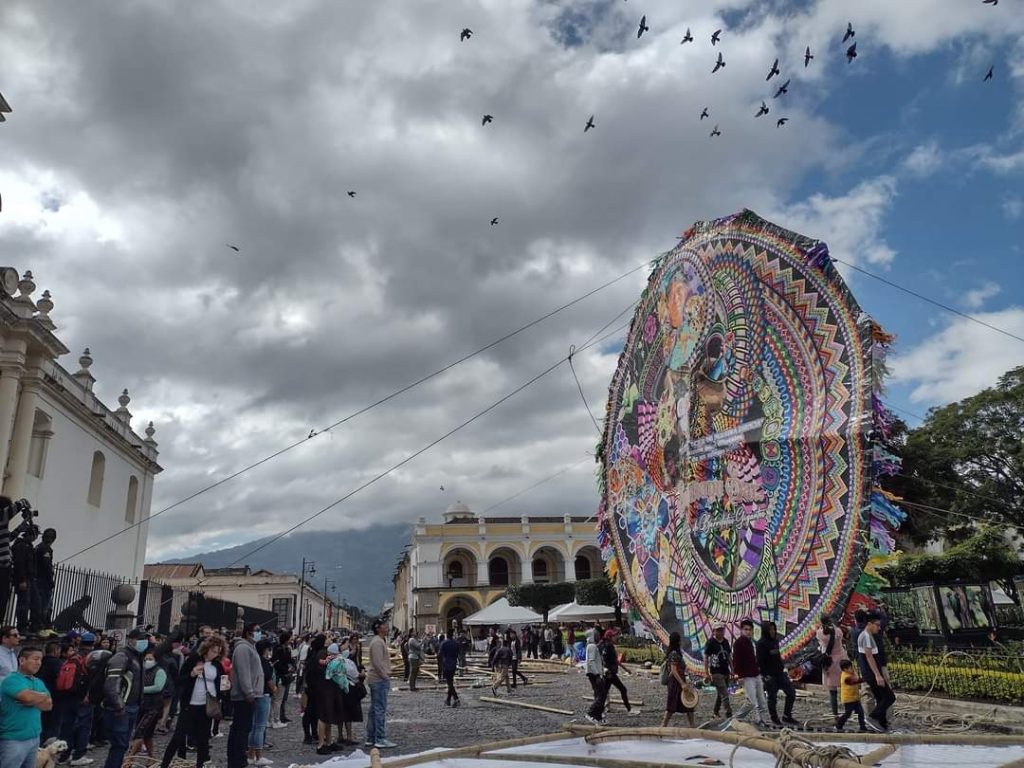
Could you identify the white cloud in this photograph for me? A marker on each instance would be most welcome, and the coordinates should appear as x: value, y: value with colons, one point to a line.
x: 976, y: 298
x: 1013, y: 207
x: 924, y: 160
x: 961, y: 359
x: 851, y: 224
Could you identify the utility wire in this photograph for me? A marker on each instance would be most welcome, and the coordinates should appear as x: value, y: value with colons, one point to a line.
x: 537, y: 484
x: 361, y: 411
x: 938, y: 304
x: 572, y: 351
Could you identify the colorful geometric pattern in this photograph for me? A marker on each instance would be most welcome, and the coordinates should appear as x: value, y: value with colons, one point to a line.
x: 737, y: 458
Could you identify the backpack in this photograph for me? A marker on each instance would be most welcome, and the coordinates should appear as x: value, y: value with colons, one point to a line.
x: 96, y: 675
x: 72, y: 676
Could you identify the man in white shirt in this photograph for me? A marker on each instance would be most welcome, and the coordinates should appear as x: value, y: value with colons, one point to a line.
x: 9, y: 640
x: 871, y: 672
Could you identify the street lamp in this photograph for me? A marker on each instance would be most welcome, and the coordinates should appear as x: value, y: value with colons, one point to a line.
x: 310, y: 568
x: 333, y: 584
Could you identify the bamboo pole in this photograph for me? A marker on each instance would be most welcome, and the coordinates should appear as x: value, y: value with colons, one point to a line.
x: 526, y: 705
x: 475, y: 750
x: 589, y: 760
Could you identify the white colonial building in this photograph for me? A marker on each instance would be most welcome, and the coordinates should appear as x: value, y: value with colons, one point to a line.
x: 77, y: 461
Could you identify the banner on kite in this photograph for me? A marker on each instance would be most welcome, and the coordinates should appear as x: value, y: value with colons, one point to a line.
x: 743, y: 439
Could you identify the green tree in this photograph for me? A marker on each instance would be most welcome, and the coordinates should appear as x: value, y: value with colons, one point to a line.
x: 965, y: 464
x: 541, y: 597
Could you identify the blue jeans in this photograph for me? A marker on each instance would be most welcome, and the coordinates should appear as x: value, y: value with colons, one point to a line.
x: 19, y: 754
x: 375, y: 721
x: 76, y: 727
x: 119, y: 727
x: 260, y: 715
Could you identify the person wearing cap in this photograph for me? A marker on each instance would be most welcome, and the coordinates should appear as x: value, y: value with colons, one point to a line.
x: 122, y: 695
x: 246, y: 687
x: 378, y: 679
x: 76, y: 725
x: 716, y: 668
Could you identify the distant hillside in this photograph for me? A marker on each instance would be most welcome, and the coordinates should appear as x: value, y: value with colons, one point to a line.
x: 361, y: 563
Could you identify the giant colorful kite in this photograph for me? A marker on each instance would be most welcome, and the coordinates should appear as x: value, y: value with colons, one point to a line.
x: 743, y: 440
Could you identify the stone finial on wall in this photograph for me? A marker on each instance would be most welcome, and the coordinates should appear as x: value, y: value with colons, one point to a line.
x: 83, y: 375
x: 122, y: 412
x: 23, y: 304
x: 150, y: 431
x: 45, y: 306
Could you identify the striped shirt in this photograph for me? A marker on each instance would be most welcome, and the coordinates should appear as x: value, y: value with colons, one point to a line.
x: 6, y: 515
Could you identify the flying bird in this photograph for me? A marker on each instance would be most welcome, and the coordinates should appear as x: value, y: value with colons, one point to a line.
x: 783, y: 89
x: 990, y: 2
x: 494, y: 221
x: 808, y: 56
x: 989, y: 75
x: 643, y: 27
x: 487, y: 119
x: 716, y: 37
x: 715, y: 131
x: 718, y: 64
x: 351, y: 193
x: 442, y: 487
x: 773, y: 71
x: 589, y: 125
x: 687, y: 38
x: 763, y: 110
x: 851, y: 53
x: 704, y: 113
x: 312, y: 434
x: 849, y: 31
x: 466, y: 34
x: 234, y: 248
x: 781, y: 122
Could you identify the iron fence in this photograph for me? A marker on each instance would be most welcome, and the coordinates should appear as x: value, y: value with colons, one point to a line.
x: 160, y: 605
x: 81, y: 597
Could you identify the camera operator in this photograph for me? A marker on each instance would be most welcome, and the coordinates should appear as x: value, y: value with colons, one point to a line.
x: 44, y: 580
x: 24, y: 556
x: 7, y: 513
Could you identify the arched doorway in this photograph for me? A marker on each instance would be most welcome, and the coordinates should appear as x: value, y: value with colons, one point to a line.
x: 456, y: 609
x: 548, y: 566
x: 504, y: 567
x: 588, y: 564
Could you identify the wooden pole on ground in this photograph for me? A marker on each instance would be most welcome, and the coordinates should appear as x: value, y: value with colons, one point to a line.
x: 526, y: 705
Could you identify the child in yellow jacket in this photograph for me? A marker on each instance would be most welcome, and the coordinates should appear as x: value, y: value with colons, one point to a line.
x: 849, y: 695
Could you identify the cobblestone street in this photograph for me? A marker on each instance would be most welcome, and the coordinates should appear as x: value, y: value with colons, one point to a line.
x: 419, y: 720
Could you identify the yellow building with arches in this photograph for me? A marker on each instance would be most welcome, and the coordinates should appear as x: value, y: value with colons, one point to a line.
x: 455, y: 568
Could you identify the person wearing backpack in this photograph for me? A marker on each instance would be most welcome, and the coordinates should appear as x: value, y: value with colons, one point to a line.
x: 122, y: 695
x: 89, y: 670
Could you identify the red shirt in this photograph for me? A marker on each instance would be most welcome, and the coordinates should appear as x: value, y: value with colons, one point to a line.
x: 744, y: 658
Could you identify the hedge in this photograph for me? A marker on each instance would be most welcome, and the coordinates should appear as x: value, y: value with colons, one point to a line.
x: 959, y: 682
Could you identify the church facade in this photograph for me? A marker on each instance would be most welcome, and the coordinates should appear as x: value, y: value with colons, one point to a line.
x: 75, y: 459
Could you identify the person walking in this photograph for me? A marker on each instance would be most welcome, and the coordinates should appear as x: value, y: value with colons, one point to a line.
x: 871, y: 673
x: 773, y: 674
x: 246, y: 687
x: 717, y: 668
x: 198, y: 685
x: 677, y: 683
x: 502, y: 662
x: 448, y: 654
x: 465, y: 646
x: 849, y: 692
x: 593, y: 666
x: 378, y: 678
x: 261, y: 708
x: 610, y: 661
x: 122, y: 695
x: 414, y: 657
x: 832, y: 646
x: 284, y: 670
x: 154, y: 679
x: 744, y: 666
x: 516, y: 649
x: 23, y: 699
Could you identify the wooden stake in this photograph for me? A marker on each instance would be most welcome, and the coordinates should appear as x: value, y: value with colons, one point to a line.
x: 513, y: 703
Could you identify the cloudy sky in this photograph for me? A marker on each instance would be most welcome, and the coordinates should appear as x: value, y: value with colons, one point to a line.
x: 145, y: 136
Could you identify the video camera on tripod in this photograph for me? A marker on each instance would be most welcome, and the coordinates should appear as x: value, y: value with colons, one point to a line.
x: 24, y: 508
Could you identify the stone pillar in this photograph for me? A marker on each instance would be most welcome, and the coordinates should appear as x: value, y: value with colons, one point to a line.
x: 483, y: 573
x: 9, y: 378
x: 121, y: 617
x: 21, y: 443
x: 527, y: 570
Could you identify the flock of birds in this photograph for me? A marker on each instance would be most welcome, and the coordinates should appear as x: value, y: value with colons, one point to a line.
x: 716, y: 37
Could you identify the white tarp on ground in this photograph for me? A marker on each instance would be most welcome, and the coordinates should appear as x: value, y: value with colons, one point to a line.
x: 692, y: 751
x: 501, y: 613
x: 576, y: 612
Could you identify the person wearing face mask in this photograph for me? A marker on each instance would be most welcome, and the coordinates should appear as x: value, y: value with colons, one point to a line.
x: 247, y: 686
x: 154, y: 680
x: 261, y: 710
x: 122, y: 695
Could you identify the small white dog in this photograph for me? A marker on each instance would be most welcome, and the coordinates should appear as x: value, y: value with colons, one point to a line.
x: 47, y: 756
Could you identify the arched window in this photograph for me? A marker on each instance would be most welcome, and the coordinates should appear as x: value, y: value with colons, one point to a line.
x: 498, y: 569
x: 42, y: 431
x: 582, y: 568
x: 99, y: 465
x: 540, y: 571
x: 132, y: 501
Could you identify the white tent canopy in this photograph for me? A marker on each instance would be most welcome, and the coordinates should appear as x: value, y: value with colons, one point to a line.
x: 501, y: 613
x: 577, y: 612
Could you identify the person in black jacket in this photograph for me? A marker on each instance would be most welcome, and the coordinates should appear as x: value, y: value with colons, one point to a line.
x: 24, y: 557
x: 773, y: 674
x: 313, y: 679
x: 44, y: 580
x: 198, y: 680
